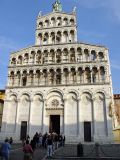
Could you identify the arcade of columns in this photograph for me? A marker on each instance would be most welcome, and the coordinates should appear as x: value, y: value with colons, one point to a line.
x: 77, y: 74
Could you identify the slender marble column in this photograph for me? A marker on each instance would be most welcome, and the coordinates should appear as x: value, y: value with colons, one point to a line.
x: 78, y: 116
x: 16, y: 117
x: 64, y: 128
x: 29, y: 118
x: 42, y: 124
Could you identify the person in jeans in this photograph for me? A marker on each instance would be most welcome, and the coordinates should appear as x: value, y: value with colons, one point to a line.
x: 5, y: 149
x: 49, y: 146
x: 28, y: 151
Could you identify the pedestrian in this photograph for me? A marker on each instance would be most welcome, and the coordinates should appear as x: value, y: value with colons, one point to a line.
x: 11, y: 140
x: 33, y: 145
x: 5, y: 149
x: 49, y: 146
x: 28, y: 151
x: 28, y: 138
x: 63, y: 139
x: 40, y: 140
x: 80, y: 150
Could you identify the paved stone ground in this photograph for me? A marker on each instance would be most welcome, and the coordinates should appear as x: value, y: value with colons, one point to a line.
x: 110, y: 152
x: 70, y: 152
x: 17, y: 153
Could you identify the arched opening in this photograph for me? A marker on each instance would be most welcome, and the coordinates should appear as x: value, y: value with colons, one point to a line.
x: 65, y: 35
x: 31, y: 77
x: 72, y: 36
x: 13, y: 62
x: 26, y: 58
x: 52, y: 37
x: 32, y: 57
x: 53, y: 21
x: 79, y: 54
x: 41, y: 25
x: 52, y: 56
x: 40, y: 38
x: 102, y: 74
x: 37, y: 77
x: 58, y: 56
x: 24, y: 78
x: 45, y: 39
x: 58, y: 37
x: 58, y: 76
x: 66, y: 75
x: 18, y: 77
x: 12, y: 78
x: 38, y: 57
x: 45, y: 56
x: 65, y: 21
x: 87, y: 75
x: 65, y: 55
x: 94, y: 75
x: 100, y: 56
x: 86, y: 53
x: 80, y: 73
x: 59, y: 21
x: 72, y: 22
x: 20, y: 60
x: 72, y: 55
x: 51, y: 76
x: 47, y: 23
x: 93, y: 55
x: 45, y: 76
x: 73, y: 76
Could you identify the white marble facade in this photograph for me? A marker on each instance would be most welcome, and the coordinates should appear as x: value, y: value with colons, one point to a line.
x: 59, y: 76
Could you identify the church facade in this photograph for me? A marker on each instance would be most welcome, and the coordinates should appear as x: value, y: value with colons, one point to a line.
x: 59, y: 84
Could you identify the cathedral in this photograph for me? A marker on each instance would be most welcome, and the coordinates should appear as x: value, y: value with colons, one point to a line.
x: 59, y: 84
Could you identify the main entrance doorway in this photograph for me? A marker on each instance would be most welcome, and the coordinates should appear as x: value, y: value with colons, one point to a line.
x: 54, y: 124
x: 23, y: 132
x: 87, y: 131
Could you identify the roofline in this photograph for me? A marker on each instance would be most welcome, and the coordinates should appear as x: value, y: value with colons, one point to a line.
x: 71, y: 13
x: 116, y: 96
x: 2, y: 90
x: 97, y: 45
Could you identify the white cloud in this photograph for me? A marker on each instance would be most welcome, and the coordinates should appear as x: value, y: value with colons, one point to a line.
x: 115, y: 64
x: 112, y: 5
x: 6, y: 43
x: 92, y: 3
x: 92, y: 34
x: 115, y: 6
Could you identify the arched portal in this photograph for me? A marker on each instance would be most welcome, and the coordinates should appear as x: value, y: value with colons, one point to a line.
x: 54, y: 112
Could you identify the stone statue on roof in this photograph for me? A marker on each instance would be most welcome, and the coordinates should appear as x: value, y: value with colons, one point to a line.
x: 57, y: 6
x: 40, y: 14
x: 74, y: 9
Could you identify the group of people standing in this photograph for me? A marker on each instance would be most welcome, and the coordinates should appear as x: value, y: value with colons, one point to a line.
x: 49, y: 141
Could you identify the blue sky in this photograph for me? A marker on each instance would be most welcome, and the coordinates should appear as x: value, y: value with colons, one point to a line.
x: 98, y: 23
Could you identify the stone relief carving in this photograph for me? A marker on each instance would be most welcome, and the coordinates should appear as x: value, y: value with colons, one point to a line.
x: 55, y: 103
x: 99, y: 99
x: 86, y: 99
x: 37, y: 101
x: 25, y: 102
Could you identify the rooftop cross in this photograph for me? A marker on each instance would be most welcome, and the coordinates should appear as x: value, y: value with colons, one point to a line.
x: 57, y: 6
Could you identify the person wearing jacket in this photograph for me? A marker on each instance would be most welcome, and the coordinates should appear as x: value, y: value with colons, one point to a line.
x: 28, y: 151
x: 5, y: 149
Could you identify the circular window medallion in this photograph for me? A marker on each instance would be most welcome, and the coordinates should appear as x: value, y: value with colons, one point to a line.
x: 55, y: 103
